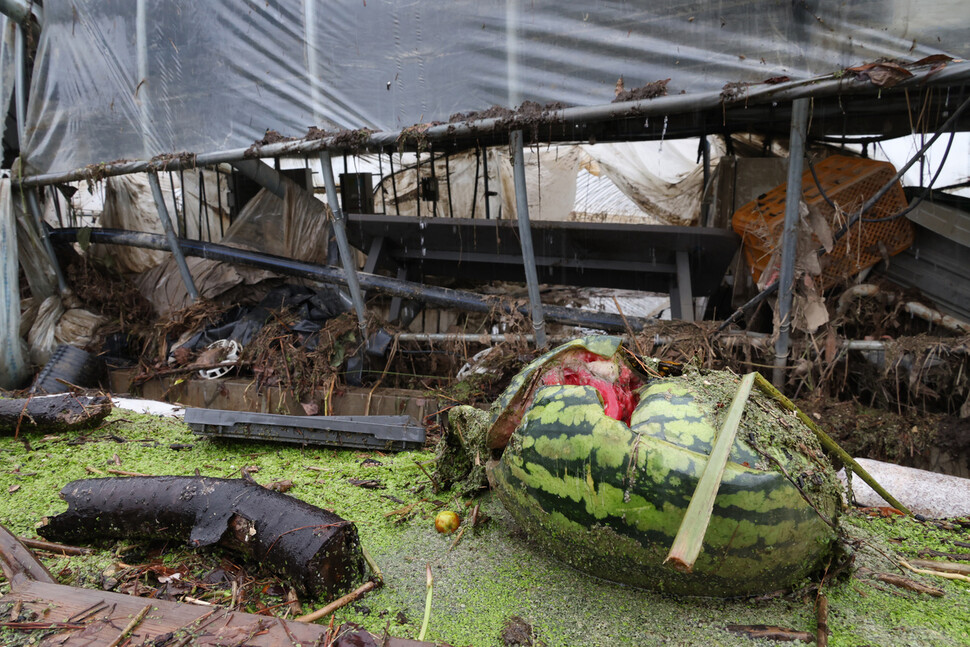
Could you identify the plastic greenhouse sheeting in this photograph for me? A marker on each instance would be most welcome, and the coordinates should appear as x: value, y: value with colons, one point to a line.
x: 122, y: 79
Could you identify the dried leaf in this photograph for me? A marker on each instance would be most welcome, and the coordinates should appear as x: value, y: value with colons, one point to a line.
x: 883, y: 74
x: 933, y: 59
x: 13, y: 488
x: 280, y: 486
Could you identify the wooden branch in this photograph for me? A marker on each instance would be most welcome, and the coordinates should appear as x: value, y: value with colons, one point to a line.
x: 945, y: 570
x: 822, y: 621
x: 946, y: 567
x: 338, y: 603
x: 908, y: 584
x: 828, y: 443
x: 164, y: 372
x: 131, y: 626
x: 18, y: 563
x: 374, y: 568
x: 690, y: 537
x: 51, y: 547
x: 124, y: 473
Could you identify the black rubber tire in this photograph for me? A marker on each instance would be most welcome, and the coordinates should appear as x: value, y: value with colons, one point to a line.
x: 70, y: 364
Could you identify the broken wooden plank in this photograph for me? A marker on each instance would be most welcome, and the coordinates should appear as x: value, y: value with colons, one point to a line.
x: 203, y: 626
x: 52, y: 413
x: 314, y: 549
x: 74, y: 617
x: 18, y: 563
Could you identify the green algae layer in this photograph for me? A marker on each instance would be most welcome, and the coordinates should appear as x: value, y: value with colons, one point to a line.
x: 608, y: 498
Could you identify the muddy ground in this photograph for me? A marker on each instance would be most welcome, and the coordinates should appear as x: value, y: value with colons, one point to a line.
x: 490, y: 577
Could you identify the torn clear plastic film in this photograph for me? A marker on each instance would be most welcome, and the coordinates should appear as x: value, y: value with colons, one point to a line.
x: 116, y: 79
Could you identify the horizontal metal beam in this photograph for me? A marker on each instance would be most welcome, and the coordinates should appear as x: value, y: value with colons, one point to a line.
x: 431, y: 294
x: 954, y: 73
x: 20, y: 11
x: 264, y: 175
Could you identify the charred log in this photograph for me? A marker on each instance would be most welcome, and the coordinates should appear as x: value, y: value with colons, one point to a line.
x: 314, y: 549
x: 52, y: 413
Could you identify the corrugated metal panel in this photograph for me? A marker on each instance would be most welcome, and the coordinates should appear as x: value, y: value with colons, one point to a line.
x: 936, y: 266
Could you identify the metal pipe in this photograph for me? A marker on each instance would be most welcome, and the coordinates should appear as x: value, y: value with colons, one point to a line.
x: 877, y: 196
x: 264, y: 175
x: 706, y: 198
x: 143, y: 90
x: 954, y: 73
x: 512, y: 51
x: 430, y: 294
x: 173, y: 241
x: 761, y: 296
x: 20, y: 88
x: 20, y: 109
x: 20, y: 11
x: 339, y: 229
x: 658, y: 340
x: 525, y: 237
x: 789, y: 240
x: 312, y: 62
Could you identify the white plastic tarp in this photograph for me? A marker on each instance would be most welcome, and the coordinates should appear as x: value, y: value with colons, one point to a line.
x: 122, y: 79
x: 14, y: 368
x: 129, y: 204
x: 662, y: 181
x: 295, y: 227
x: 13, y: 362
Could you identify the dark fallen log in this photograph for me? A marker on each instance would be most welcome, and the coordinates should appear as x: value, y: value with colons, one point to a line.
x: 314, y: 549
x: 52, y: 413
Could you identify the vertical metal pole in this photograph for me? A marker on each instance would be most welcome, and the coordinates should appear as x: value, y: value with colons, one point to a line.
x: 512, y: 17
x: 312, y: 59
x: 705, y: 218
x: 417, y: 188
x: 173, y: 243
x: 451, y: 211
x: 20, y: 109
x: 525, y: 236
x: 488, y: 215
x: 789, y: 241
x: 685, y: 294
x: 397, y: 205
x: 339, y: 229
x: 144, y: 88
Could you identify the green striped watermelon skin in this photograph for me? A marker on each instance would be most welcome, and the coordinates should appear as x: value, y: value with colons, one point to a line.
x: 608, y: 498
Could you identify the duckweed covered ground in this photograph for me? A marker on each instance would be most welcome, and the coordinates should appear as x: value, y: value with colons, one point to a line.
x: 492, y: 574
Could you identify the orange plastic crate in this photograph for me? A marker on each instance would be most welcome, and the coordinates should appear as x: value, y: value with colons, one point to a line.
x: 848, y: 182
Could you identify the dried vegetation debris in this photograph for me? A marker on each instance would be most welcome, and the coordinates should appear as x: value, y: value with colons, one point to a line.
x: 649, y: 91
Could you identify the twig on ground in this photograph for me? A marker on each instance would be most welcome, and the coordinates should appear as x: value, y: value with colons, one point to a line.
x: 338, y: 603
x: 130, y: 627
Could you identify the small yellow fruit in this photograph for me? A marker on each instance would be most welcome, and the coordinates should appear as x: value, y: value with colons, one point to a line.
x: 447, y: 522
